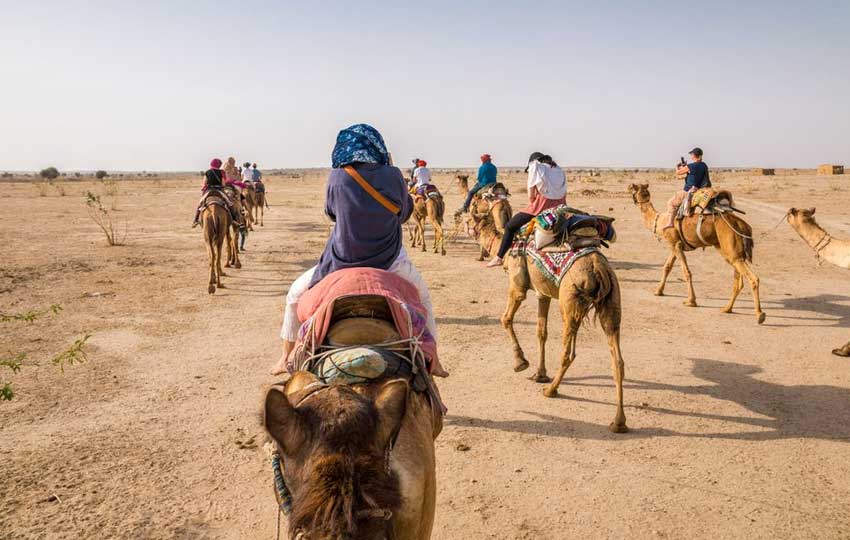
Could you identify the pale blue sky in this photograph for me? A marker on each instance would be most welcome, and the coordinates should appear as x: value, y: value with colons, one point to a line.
x: 167, y: 85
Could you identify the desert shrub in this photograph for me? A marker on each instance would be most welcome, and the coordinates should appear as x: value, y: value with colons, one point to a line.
x: 100, y: 175
x: 110, y: 189
x: 60, y: 188
x: 42, y: 188
x: 74, y: 354
x: 104, y: 219
x: 50, y: 173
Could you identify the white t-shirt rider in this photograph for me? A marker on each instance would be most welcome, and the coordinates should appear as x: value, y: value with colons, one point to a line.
x: 550, y: 181
x: 422, y: 176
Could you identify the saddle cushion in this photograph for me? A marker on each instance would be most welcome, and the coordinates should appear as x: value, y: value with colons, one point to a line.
x: 706, y: 197
x: 399, y: 304
x: 361, y: 331
x: 352, y: 366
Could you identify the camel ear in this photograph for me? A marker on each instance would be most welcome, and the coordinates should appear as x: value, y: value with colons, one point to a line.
x: 632, y: 187
x: 812, y: 210
x: 793, y: 211
x: 284, y: 423
x: 645, y: 186
x: 392, y: 405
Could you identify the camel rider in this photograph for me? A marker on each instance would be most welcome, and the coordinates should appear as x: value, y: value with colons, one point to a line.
x: 696, y: 177
x: 487, y: 173
x: 412, y: 179
x: 421, y: 177
x: 247, y: 174
x: 367, y: 233
x: 258, y: 176
x: 214, y: 182
x: 547, y: 188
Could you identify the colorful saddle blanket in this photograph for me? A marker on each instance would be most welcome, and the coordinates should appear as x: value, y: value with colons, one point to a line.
x: 429, y: 190
x: 552, y: 264
x: 563, y: 223
x: 706, y: 197
x: 317, y: 309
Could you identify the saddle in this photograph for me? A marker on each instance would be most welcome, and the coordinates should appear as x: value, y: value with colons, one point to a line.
x: 493, y: 192
x: 707, y: 201
x: 564, y: 228
x: 259, y: 187
x: 213, y: 196
x: 429, y: 191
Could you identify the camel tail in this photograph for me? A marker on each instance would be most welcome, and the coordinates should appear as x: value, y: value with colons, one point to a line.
x: 605, y: 299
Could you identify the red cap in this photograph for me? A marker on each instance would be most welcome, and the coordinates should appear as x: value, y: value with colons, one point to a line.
x: 485, y: 157
x: 421, y: 163
x: 215, y: 164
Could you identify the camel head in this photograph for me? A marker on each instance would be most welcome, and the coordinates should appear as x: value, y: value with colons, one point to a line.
x: 640, y: 193
x: 334, y: 449
x: 462, y: 178
x: 799, y: 216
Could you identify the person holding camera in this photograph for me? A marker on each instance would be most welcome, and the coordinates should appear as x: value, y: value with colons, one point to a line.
x: 696, y: 177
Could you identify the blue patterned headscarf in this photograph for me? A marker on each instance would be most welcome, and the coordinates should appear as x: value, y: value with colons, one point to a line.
x: 360, y: 143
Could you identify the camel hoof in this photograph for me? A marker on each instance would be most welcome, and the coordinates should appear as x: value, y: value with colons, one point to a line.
x: 614, y: 427
x: 761, y: 317
x: 211, y: 289
x: 521, y: 365
x: 227, y: 265
x: 726, y: 310
x: 541, y: 378
x: 689, y: 303
x: 550, y: 392
x: 842, y: 352
x: 238, y: 265
x: 658, y: 293
x: 443, y: 252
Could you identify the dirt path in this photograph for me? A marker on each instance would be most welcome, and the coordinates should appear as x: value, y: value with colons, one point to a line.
x: 737, y: 430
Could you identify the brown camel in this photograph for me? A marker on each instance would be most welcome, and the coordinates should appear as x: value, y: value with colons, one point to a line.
x: 233, y: 231
x: 259, y: 205
x: 358, y: 459
x: 216, y: 221
x: 731, y: 235
x: 589, y: 283
x: 248, y: 204
x: 499, y: 211
x: 432, y: 209
x: 832, y: 250
x: 463, y: 184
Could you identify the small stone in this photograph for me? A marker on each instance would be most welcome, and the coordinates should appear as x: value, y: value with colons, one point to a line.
x: 462, y: 447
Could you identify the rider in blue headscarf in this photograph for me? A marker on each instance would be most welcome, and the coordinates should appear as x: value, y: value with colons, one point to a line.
x: 366, y: 233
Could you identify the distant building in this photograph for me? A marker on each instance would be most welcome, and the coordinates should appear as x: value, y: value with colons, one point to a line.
x: 828, y: 169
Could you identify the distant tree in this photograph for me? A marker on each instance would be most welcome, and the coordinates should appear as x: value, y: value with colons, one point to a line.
x: 100, y: 175
x: 50, y: 173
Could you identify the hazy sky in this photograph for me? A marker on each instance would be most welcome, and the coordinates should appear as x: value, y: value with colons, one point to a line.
x: 167, y: 85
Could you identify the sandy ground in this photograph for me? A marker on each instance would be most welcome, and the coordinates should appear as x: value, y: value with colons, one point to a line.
x: 737, y: 430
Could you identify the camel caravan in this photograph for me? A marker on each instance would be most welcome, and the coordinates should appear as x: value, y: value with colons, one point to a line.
x: 353, y: 421
x: 230, y: 202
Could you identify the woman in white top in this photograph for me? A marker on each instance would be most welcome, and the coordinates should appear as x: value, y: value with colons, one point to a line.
x: 547, y: 188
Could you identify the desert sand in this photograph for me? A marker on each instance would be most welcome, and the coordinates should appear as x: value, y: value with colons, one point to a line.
x: 737, y: 430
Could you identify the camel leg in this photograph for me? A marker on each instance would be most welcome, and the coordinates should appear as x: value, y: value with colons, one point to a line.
x: 619, y: 423
x: 229, y: 262
x: 235, y: 240
x: 542, y: 333
x: 421, y: 232
x: 515, y: 298
x: 211, y: 256
x: 737, y: 285
x: 686, y: 273
x: 744, y: 269
x: 571, y: 326
x: 668, y: 266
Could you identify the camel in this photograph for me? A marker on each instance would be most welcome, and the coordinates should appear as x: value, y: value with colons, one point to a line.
x: 358, y: 459
x: 500, y: 213
x: 216, y: 221
x: 259, y: 205
x: 589, y: 283
x: 463, y: 184
x: 832, y: 250
x: 727, y: 232
x: 248, y: 203
x: 432, y: 209
x: 233, y: 231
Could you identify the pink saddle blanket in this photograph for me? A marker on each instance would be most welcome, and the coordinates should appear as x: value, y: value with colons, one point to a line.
x: 316, y: 309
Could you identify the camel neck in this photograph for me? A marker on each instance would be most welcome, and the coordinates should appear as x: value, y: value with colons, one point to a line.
x: 648, y: 214
x: 813, y: 234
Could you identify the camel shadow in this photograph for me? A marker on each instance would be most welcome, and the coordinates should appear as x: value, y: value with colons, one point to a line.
x: 483, y: 320
x: 631, y: 265
x: 551, y: 426
x: 823, y: 304
x: 780, y: 411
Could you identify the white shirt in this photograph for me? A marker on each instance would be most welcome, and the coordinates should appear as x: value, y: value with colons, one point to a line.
x: 422, y: 176
x: 247, y: 175
x: 549, y: 181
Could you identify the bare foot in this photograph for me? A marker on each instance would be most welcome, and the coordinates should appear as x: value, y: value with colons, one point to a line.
x: 495, y: 262
x: 280, y: 367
